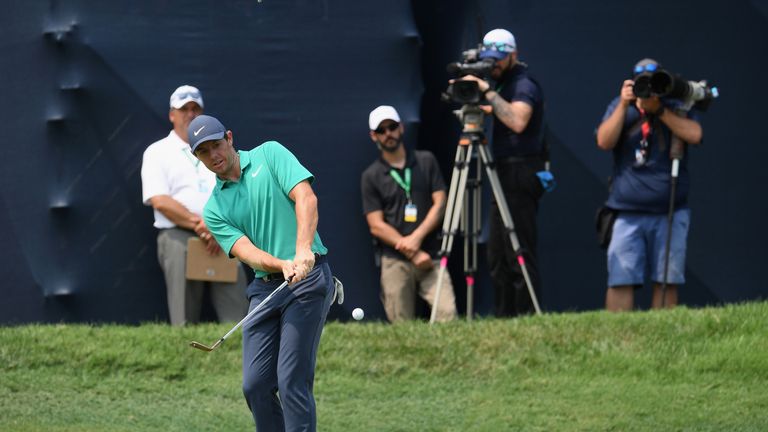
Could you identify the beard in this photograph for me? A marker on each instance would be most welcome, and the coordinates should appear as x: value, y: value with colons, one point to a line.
x: 497, y: 72
x: 390, y: 145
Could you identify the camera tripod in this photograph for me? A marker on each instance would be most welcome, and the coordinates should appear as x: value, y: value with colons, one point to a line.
x: 463, y: 205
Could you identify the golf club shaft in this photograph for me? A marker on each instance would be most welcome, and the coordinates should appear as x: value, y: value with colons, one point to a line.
x: 254, y: 311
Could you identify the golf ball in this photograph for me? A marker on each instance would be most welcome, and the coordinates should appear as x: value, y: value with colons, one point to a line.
x: 358, y: 314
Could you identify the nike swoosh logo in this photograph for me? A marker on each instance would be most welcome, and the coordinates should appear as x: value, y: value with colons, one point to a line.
x: 198, y: 131
x: 257, y: 171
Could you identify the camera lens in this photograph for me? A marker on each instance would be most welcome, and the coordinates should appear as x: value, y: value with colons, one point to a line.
x: 642, y: 87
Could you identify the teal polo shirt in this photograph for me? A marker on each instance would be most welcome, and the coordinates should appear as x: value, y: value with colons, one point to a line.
x: 257, y: 206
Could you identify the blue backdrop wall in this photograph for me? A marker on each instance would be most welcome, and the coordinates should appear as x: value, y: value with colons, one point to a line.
x: 85, y: 88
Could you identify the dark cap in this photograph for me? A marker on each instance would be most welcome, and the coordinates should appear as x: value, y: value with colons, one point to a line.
x: 204, y: 128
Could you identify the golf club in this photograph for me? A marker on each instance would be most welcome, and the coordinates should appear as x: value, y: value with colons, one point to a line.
x: 206, y: 348
x: 338, y: 293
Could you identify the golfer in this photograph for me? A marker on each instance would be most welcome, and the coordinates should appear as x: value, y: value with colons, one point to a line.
x: 263, y: 211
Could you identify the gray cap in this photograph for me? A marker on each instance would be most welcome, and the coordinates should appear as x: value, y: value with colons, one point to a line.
x: 204, y: 128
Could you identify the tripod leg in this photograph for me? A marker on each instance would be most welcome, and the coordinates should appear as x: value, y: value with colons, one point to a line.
x: 451, y: 197
x: 452, y: 216
x: 506, y: 218
x: 436, y: 302
x: 471, y: 225
x: 454, y: 198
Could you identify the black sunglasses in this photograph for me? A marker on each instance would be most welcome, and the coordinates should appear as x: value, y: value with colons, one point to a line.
x: 392, y: 127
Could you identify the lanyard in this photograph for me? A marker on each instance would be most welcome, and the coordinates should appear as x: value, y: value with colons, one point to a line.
x: 406, y: 185
x: 645, y: 128
x: 642, y: 153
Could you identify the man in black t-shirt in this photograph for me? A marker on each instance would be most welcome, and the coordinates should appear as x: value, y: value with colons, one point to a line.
x: 403, y: 202
x: 518, y: 149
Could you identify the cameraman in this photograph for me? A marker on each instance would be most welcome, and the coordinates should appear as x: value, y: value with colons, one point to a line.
x: 518, y: 108
x: 639, y: 132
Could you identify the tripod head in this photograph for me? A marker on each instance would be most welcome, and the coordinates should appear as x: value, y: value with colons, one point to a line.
x: 472, y: 117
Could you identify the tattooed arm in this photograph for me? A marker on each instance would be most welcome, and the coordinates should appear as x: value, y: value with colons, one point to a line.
x: 515, y: 115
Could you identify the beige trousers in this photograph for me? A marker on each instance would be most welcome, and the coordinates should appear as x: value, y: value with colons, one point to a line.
x: 401, y: 281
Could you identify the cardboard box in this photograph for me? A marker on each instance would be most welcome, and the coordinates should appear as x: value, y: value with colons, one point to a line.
x: 201, y: 266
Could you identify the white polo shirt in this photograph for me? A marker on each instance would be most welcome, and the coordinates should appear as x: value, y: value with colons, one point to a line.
x: 170, y: 168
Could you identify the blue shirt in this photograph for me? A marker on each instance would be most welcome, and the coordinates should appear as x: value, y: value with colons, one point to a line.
x: 515, y: 85
x: 645, y: 188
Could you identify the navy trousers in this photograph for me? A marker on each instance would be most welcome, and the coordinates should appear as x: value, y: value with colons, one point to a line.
x: 280, y: 348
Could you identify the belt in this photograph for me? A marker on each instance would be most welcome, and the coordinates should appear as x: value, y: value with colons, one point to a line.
x: 319, y: 259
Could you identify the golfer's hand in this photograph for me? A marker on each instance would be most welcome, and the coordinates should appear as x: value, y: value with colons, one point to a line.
x: 408, y: 245
x: 422, y: 260
x: 289, y: 270
x: 304, y: 262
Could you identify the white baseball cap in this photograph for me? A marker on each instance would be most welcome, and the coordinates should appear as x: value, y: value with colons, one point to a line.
x: 498, y: 44
x: 381, y: 113
x: 184, y: 94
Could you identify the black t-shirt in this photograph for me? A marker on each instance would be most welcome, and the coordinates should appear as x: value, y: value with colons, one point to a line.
x: 516, y: 85
x: 381, y: 192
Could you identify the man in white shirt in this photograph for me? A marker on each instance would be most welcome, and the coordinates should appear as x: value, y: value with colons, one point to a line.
x: 177, y: 186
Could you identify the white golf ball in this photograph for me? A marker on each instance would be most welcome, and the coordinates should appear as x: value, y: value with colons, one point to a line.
x: 358, y: 314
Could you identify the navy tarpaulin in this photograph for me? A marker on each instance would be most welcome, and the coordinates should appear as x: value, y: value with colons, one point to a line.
x: 85, y: 89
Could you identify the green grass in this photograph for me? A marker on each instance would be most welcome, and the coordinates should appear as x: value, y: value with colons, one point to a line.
x: 680, y: 370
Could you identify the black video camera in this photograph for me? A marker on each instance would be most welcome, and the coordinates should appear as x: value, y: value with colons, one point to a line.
x: 664, y: 84
x: 467, y: 92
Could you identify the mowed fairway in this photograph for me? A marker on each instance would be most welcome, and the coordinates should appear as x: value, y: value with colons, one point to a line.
x: 683, y: 370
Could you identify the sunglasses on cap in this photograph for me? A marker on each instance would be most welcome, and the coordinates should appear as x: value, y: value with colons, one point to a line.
x: 650, y: 67
x: 191, y: 94
x: 497, y: 46
x: 392, y: 127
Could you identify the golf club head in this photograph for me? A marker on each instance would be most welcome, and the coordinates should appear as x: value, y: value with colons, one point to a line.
x: 339, y: 292
x: 201, y: 347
